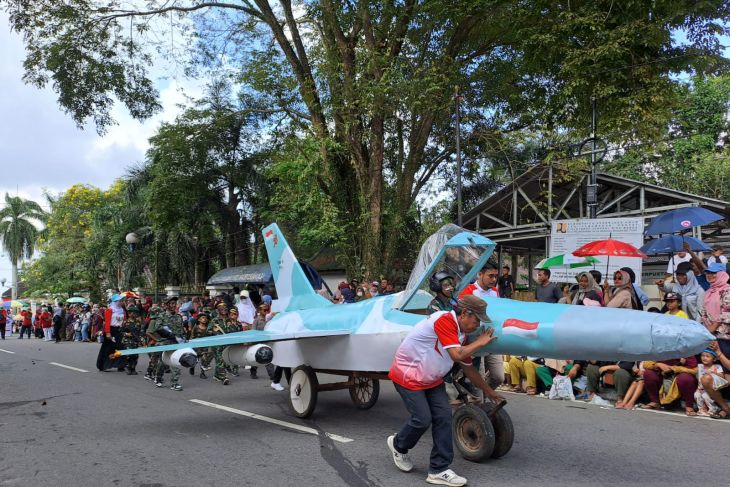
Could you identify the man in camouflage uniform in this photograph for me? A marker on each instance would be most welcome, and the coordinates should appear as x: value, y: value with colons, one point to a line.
x: 174, y: 322
x: 152, y: 339
x: 233, y: 326
x: 200, y: 330
x: 220, y: 326
x: 131, y: 329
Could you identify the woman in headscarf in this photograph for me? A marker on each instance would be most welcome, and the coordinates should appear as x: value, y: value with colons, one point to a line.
x: 716, y: 317
x: 587, y: 288
x: 622, y: 295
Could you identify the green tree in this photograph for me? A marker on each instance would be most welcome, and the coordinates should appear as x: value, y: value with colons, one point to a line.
x: 373, y: 82
x: 691, y: 153
x: 19, y: 231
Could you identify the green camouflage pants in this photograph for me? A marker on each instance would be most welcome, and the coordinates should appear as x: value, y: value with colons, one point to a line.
x: 206, y: 356
x: 154, y: 360
x: 220, y: 365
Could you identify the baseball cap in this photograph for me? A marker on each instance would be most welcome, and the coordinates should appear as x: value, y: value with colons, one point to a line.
x: 672, y: 297
x: 716, y: 267
x: 244, y: 294
x: 476, y: 305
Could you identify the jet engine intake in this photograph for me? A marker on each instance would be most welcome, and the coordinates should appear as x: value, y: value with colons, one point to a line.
x: 183, y: 358
x: 253, y: 355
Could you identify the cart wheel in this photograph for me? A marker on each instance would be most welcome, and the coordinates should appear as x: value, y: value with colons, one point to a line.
x: 365, y: 392
x: 503, y: 429
x: 473, y: 433
x: 303, y: 391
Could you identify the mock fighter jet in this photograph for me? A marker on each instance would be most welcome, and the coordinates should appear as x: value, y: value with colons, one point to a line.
x: 311, y: 334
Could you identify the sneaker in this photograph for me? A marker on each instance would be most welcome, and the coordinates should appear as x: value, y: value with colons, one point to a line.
x: 148, y: 377
x: 401, y: 460
x: 176, y: 387
x: 447, y: 477
x: 202, y: 375
x: 159, y: 383
x: 276, y: 386
x: 226, y: 381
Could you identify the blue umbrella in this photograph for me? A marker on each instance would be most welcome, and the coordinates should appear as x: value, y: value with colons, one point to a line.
x: 681, y: 219
x: 670, y: 244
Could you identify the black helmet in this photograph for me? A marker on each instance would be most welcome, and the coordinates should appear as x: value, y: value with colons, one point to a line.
x: 434, y: 282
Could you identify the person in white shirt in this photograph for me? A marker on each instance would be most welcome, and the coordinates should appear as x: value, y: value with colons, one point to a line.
x: 425, y: 356
x: 675, y: 260
x: 717, y: 256
x: 246, y: 310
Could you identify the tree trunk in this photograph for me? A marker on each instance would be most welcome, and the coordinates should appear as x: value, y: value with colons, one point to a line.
x: 14, y: 291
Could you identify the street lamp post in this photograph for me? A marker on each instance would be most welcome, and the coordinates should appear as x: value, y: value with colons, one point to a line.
x: 132, y: 240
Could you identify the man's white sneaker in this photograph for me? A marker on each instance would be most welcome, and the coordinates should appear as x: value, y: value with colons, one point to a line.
x: 276, y: 386
x: 401, y: 460
x: 447, y: 477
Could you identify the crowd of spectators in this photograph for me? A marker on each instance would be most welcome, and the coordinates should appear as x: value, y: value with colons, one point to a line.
x: 697, y: 384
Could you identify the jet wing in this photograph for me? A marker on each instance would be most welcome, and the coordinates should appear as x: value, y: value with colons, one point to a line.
x: 250, y: 336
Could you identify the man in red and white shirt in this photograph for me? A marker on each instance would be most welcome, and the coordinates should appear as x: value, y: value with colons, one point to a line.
x: 486, y: 287
x: 422, y: 360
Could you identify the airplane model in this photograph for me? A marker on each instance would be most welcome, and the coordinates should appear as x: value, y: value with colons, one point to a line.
x: 310, y: 334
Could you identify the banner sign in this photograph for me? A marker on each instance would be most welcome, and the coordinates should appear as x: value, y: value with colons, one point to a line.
x: 567, y: 236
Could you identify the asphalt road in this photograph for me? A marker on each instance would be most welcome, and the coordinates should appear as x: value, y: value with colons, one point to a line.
x: 63, y: 427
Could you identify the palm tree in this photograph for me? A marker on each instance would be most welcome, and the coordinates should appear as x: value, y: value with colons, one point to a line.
x: 18, y: 231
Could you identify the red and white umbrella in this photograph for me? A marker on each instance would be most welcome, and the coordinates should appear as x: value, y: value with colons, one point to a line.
x: 609, y: 248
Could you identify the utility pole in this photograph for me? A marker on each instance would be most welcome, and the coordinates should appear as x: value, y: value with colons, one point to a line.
x: 592, y: 196
x: 598, y: 149
x: 457, y: 98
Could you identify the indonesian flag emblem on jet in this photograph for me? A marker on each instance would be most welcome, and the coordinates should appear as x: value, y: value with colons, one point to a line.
x: 270, y: 234
x: 523, y: 329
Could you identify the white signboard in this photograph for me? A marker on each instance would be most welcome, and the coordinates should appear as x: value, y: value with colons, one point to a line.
x: 567, y: 236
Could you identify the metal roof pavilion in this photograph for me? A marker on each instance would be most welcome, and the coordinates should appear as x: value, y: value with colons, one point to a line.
x: 518, y: 216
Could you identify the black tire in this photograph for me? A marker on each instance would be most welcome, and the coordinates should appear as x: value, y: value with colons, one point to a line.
x: 303, y: 391
x: 365, y: 392
x: 473, y: 433
x: 503, y: 429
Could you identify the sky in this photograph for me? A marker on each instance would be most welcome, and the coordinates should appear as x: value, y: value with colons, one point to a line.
x: 44, y: 150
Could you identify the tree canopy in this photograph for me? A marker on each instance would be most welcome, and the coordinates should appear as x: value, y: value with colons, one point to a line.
x: 371, y: 84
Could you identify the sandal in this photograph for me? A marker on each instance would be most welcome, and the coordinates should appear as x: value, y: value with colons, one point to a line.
x: 651, y: 405
x: 720, y: 415
x: 689, y: 413
x: 531, y: 391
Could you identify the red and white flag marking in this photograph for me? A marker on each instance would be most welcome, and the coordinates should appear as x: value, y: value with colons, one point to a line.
x: 524, y: 329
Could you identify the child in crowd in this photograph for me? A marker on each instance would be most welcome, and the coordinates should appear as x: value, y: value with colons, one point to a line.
x: 708, y: 366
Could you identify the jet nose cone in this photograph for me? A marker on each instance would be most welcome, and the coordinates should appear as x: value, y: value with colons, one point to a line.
x: 674, y: 337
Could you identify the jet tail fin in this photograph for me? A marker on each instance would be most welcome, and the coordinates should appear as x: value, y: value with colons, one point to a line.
x: 292, y: 286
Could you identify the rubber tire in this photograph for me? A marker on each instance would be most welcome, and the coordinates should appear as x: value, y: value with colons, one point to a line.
x: 473, y: 433
x: 305, y: 379
x: 503, y: 429
x: 375, y: 393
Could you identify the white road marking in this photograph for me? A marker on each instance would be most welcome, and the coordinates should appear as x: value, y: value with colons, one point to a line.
x: 67, y: 367
x: 6, y: 351
x: 286, y: 424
